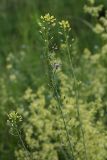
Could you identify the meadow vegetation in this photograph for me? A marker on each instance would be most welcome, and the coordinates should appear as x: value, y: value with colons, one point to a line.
x: 53, y: 83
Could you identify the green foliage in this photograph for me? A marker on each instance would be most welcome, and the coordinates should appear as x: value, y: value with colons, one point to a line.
x: 37, y: 80
x: 91, y: 111
x: 45, y: 133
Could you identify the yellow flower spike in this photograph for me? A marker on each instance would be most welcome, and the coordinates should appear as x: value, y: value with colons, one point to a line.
x: 14, y: 117
x: 64, y: 24
x: 49, y: 19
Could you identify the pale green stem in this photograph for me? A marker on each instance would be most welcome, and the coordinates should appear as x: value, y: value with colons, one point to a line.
x: 60, y: 109
x: 57, y: 98
x: 76, y: 94
x: 23, y: 145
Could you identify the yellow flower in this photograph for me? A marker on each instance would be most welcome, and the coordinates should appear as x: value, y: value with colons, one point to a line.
x: 14, y: 117
x: 64, y: 24
x: 48, y: 18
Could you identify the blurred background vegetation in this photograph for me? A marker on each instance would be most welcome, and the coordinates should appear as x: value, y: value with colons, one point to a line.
x: 20, y: 56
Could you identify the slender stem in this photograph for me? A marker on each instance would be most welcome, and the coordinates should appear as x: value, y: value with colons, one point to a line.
x: 76, y: 94
x: 57, y: 95
x: 23, y: 145
x: 63, y: 118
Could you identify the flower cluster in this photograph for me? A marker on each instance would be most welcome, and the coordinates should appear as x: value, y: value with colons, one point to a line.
x: 64, y: 25
x: 14, y: 117
x: 48, y: 19
x: 13, y: 122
